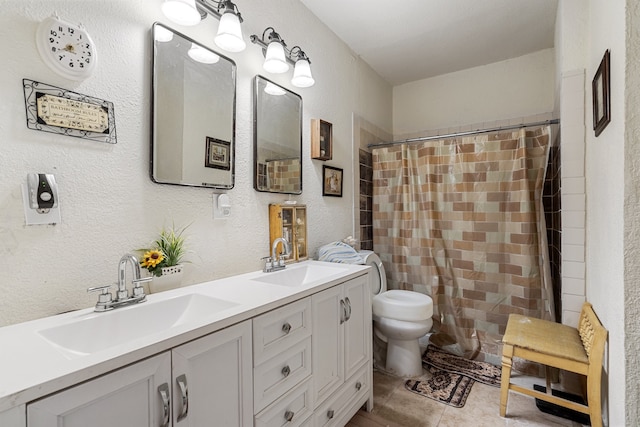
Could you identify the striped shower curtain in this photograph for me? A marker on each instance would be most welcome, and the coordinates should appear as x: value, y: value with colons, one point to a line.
x: 461, y: 220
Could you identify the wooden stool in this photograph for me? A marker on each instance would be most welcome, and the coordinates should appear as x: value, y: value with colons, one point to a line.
x: 555, y: 345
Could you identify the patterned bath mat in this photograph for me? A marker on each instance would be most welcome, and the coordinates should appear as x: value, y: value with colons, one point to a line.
x: 483, y: 372
x: 446, y: 387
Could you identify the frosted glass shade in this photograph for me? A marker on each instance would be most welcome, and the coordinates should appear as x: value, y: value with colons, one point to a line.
x: 272, y: 89
x: 229, y: 35
x: 182, y: 12
x: 274, y: 60
x: 200, y: 54
x: 161, y: 34
x: 302, y: 74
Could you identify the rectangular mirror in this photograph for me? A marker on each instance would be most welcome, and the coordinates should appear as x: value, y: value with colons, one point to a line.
x: 194, y: 111
x: 277, y: 138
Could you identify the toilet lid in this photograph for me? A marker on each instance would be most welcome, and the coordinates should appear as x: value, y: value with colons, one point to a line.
x: 378, y: 274
x: 403, y: 305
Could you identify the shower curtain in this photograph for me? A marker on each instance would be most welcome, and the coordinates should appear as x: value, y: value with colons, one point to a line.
x: 462, y: 221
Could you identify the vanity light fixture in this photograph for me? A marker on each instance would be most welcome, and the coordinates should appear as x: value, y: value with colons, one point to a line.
x: 277, y: 58
x: 272, y: 89
x: 161, y: 34
x: 190, y: 12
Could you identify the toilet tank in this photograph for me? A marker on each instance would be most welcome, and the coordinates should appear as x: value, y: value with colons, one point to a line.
x: 378, y: 275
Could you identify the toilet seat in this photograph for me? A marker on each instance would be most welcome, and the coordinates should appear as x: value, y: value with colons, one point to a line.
x: 403, y: 305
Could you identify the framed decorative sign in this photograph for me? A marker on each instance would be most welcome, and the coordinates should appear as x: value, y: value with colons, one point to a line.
x: 331, y: 181
x: 601, y: 87
x: 57, y: 110
x: 218, y: 155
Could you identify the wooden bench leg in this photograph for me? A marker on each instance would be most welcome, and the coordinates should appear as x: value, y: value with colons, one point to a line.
x: 507, y: 355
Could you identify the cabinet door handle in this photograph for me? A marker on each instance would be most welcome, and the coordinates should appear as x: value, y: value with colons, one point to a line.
x: 343, y: 311
x: 286, y: 328
x: 330, y: 413
x: 163, y: 389
x: 348, y: 304
x: 288, y: 415
x: 358, y: 386
x: 184, y: 392
x: 286, y: 371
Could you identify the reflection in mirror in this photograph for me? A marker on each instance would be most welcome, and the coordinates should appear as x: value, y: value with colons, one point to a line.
x: 277, y: 138
x: 194, y: 101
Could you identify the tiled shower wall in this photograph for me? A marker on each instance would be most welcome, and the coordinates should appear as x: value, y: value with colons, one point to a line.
x: 366, y: 199
x: 553, y: 218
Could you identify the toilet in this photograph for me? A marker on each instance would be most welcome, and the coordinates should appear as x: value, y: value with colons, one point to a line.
x: 400, y: 318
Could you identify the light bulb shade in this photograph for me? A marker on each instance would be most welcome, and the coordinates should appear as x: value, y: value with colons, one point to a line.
x: 273, y: 89
x: 302, y: 74
x: 182, y: 12
x: 274, y: 60
x: 229, y: 35
x: 200, y: 54
x: 161, y: 34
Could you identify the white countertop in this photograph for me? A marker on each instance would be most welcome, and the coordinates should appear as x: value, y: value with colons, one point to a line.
x: 31, y: 367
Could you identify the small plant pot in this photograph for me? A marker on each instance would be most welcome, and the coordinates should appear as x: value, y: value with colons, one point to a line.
x: 171, y: 278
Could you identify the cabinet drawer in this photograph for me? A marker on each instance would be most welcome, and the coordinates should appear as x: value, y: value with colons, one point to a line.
x: 332, y: 411
x: 294, y: 406
x: 280, y: 329
x: 280, y: 373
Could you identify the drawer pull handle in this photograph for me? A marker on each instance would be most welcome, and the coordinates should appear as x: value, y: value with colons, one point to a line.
x: 163, y: 389
x: 184, y: 391
x: 286, y: 328
x: 348, y: 304
x: 330, y: 413
x: 288, y: 416
x: 358, y: 385
x: 343, y: 311
x: 286, y: 371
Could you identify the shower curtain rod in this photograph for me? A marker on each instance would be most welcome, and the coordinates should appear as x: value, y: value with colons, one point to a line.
x: 471, y: 132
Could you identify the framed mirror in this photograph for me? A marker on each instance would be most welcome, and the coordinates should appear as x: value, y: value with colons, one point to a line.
x: 277, y: 138
x: 194, y: 111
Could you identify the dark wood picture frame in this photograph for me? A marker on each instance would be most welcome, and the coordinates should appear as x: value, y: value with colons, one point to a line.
x: 218, y: 154
x: 601, y: 87
x: 332, y: 179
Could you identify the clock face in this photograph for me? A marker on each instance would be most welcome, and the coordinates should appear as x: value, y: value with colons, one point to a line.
x: 66, y: 48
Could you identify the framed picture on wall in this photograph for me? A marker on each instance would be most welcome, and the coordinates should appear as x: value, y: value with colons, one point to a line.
x: 600, y: 87
x: 218, y: 155
x: 331, y: 181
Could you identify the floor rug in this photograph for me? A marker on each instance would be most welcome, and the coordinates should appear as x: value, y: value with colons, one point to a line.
x: 483, y: 372
x: 445, y: 387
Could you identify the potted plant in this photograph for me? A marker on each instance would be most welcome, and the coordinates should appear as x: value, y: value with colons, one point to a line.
x: 165, y: 258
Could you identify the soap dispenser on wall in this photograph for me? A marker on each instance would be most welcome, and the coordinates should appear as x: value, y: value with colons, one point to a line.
x: 40, y: 199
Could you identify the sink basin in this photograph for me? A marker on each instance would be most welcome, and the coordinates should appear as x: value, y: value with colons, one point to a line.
x: 299, y: 275
x: 100, y: 331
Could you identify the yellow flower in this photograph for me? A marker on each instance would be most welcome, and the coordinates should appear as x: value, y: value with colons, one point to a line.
x: 152, y: 258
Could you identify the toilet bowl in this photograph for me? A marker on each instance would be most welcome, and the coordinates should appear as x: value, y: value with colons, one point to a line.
x: 400, y: 318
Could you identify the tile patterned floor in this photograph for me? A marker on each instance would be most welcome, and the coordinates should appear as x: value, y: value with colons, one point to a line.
x: 394, y: 406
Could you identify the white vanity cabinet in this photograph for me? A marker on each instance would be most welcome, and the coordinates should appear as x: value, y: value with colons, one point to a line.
x: 190, y: 385
x: 302, y: 359
x: 341, y: 342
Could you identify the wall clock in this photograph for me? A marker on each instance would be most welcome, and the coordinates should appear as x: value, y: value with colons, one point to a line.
x: 66, y: 48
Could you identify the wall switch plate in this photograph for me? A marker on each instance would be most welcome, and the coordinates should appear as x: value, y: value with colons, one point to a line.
x: 38, y: 216
x: 221, y: 206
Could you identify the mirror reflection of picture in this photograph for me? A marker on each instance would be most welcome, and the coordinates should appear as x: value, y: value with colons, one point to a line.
x: 217, y: 155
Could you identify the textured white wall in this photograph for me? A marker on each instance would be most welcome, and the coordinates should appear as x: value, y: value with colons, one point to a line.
x: 109, y: 205
x: 515, y: 88
x: 632, y: 216
x: 605, y: 181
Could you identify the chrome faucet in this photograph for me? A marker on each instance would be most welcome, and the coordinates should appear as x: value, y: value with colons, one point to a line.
x: 105, y: 299
x: 276, y: 261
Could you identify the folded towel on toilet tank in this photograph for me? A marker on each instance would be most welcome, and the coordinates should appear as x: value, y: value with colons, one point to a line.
x: 339, y: 252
